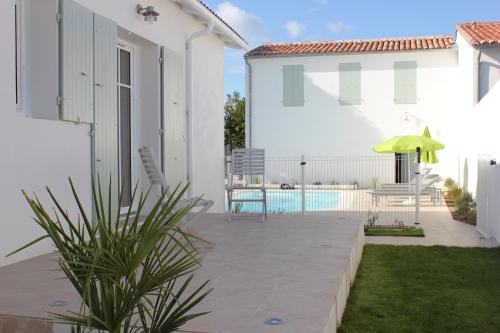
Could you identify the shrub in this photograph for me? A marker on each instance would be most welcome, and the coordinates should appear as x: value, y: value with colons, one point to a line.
x: 372, y: 218
x: 133, y: 272
x: 449, y: 183
x: 454, y: 192
x: 465, y: 207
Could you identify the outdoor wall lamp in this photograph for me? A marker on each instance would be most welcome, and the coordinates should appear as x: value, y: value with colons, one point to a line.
x: 149, y: 13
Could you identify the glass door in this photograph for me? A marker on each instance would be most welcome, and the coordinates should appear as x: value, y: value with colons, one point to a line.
x: 124, y: 89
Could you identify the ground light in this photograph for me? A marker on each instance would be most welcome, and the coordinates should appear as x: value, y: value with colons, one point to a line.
x: 58, y: 303
x: 274, y: 321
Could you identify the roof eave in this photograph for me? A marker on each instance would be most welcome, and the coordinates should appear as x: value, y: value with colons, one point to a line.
x: 204, y: 15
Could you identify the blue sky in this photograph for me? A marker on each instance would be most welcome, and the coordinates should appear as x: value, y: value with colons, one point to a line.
x: 261, y: 21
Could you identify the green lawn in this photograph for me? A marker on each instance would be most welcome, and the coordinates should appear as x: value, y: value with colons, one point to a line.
x: 416, y: 232
x: 425, y: 289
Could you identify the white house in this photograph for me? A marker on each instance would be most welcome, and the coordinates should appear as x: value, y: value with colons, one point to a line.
x: 85, y: 83
x: 341, y: 98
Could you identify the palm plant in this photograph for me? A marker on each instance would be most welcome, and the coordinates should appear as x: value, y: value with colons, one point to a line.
x: 134, y: 272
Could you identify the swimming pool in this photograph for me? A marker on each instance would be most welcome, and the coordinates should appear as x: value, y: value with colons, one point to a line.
x: 289, y: 201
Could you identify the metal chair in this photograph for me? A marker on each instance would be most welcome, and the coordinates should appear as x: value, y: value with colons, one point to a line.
x: 247, y: 162
x: 156, y: 178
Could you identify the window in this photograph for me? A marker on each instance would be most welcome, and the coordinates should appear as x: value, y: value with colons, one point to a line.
x: 405, y: 82
x: 293, y: 85
x: 350, y: 83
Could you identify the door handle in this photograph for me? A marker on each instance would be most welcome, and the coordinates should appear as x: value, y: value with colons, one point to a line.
x: 98, y: 85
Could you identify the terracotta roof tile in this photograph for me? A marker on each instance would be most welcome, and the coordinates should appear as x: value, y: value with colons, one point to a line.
x: 480, y: 33
x: 346, y: 46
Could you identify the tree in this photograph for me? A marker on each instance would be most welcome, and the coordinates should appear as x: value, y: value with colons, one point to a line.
x: 234, y: 119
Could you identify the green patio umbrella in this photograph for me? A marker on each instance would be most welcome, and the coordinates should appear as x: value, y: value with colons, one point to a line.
x: 428, y: 156
x: 408, y: 144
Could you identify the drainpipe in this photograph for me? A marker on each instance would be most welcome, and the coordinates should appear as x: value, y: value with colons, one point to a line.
x: 189, y: 100
x: 478, y: 99
x: 249, y: 103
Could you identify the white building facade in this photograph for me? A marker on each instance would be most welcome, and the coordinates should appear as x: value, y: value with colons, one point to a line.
x: 85, y: 83
x: 343, y: 98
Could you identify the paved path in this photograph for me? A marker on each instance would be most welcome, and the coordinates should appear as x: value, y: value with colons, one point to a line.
x: 440, y: 229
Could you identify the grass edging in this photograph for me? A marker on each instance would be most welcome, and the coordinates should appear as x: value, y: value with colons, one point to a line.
x: 415, y: 232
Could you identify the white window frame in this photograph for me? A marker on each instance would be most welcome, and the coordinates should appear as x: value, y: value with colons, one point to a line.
x: 132, y: 49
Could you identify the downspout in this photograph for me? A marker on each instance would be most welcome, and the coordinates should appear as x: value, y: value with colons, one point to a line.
x: 249, y: 103
x: 478, y: 99
x: 189, y: 100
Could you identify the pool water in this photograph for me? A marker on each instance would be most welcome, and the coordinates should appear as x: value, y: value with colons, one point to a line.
x: 289, y: 201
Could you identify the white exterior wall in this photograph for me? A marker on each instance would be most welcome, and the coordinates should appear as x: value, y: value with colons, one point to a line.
x: 478, y: 119
x: 323, y: 127
x: 45, y: 152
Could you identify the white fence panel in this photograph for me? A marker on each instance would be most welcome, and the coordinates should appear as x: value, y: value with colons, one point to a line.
x: 488, y: 196
x: 363, y: 187
x: 483, y: 223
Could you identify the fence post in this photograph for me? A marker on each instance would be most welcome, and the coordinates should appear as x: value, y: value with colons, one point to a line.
x: 417, y: 188
x: 303, y: 183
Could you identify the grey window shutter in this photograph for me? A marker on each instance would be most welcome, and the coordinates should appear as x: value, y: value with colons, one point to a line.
x: 350, y: 83
x: 405, y: 82
x: 105, y: 139
x: 174, y: 117
x: 77, y: 87
x: 293, y: 85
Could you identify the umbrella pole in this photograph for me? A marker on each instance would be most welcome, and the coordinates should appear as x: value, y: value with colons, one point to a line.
x: 408, y: 164
x: 417, y: 188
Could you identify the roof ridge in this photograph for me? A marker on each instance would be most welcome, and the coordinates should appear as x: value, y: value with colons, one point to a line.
x: 354, y: 45
x: 479, y: 23
x: 356, y: 40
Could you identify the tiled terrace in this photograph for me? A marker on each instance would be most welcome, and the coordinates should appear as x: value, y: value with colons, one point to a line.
x: 298, y: 268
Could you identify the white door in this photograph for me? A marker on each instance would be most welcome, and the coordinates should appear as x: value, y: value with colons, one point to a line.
x: 174, y: 122
x: 125, y: 93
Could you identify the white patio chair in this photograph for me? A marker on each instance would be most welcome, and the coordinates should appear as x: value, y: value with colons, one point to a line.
x: 157, y: 180
x: 247, y: 162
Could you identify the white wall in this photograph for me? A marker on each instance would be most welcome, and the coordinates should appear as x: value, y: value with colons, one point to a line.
x: 35, y: 153
x: 478, y: 119
x: 40, y: 152
x: 323, y: 127
x: 488, y: 189
x: 481, y: 134
x: 208, y: 121
x: 489, y: 68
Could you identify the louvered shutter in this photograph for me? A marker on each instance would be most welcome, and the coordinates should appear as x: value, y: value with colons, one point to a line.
x: 405, y: 82
x: 105, y: 142
x: 293, y: 85
x: 350, y: 83
x: 174, y: 120
x: 77, y: 55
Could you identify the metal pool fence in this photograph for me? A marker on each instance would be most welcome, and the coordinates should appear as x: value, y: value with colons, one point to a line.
x: 379, y: 189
